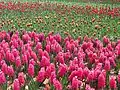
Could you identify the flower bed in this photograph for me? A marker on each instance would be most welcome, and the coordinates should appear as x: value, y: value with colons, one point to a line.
x: 30, y: 60
x: 61, y: 8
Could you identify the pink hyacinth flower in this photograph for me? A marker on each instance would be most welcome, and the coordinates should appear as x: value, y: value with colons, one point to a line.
x: 2, y: 78
x: 62, y: 69
x: 112, y: 82
x: 33, y: 55
x: 10, y: 71
x: 38, y: 46
x: 80, y: 73
x: 41, y: 75
x: 49, y: 70
x: 31, y: 70
x: 21, y: 78
x: 90, y: 76
x: 101, y: 81
x: 45, y: 61
x: 16, y: 85
x: 48, y: 48
x: 4, y: 68
x: 53, y: 75
x: 107, y: 65
x: 106, y: 40
x: 57, y: 84
x: 18, y: 62
x: 75, y: 83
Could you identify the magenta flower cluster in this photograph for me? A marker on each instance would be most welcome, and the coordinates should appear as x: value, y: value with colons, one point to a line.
x: 87, y: 64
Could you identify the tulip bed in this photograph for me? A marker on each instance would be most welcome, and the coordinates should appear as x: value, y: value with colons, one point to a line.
x: 59, y: 46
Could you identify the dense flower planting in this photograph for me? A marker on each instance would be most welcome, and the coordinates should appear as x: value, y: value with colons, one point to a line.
x: 78, y: 19
x: 32, y: 60
x: 61, y: 8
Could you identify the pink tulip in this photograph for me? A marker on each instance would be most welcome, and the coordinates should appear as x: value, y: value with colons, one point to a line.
x: 57, y: 84
x: 2, y: 78
x: 41, y: 75
x: 16, y: 85
x: 112, y: 82
x: 21, y: 78
x: 31, y: 70
x: 101, y: 81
